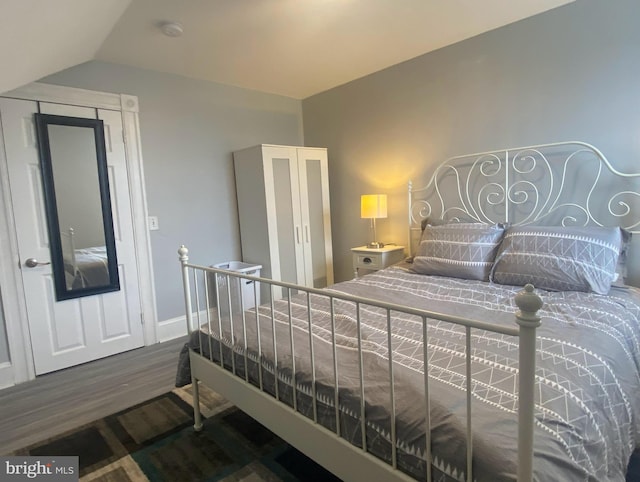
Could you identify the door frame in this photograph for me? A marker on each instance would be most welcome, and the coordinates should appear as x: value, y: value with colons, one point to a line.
x: 13, y: 299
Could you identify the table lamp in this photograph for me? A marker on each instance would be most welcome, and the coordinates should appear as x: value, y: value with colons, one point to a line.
x: 373, y: 206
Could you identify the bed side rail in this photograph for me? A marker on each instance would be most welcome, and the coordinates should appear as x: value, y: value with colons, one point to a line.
x: 207, y: 306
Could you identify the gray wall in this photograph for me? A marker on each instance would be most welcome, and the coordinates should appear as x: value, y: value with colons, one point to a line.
x: 189, y: 130
x: 567, y: 74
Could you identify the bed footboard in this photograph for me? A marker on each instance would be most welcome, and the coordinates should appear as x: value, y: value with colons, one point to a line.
x: 273, y: 362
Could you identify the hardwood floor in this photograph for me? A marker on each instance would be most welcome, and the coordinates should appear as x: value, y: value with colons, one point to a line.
x: 60, y: 401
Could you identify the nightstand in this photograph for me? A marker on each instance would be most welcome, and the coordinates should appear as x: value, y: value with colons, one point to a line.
x: 376, y: 258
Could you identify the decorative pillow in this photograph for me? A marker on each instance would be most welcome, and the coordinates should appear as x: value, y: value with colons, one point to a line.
x: 459, y: 250
x: 559, y: 258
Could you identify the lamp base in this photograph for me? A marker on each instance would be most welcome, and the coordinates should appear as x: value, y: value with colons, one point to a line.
x: 375, y: 245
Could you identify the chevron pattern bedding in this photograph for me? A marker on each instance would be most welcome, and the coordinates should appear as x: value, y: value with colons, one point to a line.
x: 588, y: 374
x: 560, y: 258
x: 461, y: 250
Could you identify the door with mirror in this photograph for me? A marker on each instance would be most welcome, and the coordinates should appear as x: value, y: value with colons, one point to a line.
x: 72, y: 214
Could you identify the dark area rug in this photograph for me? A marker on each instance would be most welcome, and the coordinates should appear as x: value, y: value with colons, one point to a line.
x: 155, y: 441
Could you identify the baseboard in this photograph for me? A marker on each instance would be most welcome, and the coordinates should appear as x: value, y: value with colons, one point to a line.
x: 172, y: 328
x: 6, y: 375
x: 176, y: 327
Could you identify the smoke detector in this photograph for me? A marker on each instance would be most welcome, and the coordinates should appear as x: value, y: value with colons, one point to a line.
x: 171, y: 29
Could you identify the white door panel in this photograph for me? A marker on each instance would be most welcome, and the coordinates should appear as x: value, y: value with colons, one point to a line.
x: 74, y: 331
x: 125, y: 320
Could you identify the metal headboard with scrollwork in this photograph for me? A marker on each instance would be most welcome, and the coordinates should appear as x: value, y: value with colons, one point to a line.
x: 565, y: 183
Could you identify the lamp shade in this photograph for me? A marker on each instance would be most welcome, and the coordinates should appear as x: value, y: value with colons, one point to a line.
x: 373, y: 206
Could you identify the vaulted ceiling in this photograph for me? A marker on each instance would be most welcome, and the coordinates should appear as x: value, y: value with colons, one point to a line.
x: 294, y: 48
x: 41, y: 37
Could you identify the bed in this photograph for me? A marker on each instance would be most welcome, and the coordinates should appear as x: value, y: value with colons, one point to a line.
x: 520, y: 384
x: 84, y: 267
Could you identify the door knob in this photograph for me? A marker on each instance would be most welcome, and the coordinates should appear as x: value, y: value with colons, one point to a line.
x: 33, y: 262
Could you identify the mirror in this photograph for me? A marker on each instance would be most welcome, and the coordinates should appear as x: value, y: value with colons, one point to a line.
x: 77, y: 205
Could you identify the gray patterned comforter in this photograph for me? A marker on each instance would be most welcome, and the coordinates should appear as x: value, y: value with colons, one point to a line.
x: 588, y: 374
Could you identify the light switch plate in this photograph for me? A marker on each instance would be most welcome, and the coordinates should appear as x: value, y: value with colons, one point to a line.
x: 153, y: 223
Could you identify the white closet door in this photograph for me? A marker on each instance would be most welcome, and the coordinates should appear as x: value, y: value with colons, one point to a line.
x: 70, y: 332
x: 316, y: 216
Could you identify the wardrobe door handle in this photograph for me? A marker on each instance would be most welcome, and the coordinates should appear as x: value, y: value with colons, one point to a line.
x: 306, y: 233
x: 298, y: 234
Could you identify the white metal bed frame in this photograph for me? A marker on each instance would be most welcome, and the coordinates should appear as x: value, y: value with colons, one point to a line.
x: 353, y: 463
x: 510, y: 179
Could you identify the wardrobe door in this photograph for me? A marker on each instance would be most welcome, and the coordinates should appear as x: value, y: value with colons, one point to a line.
x: 282, y: 194
x: 316, y: 219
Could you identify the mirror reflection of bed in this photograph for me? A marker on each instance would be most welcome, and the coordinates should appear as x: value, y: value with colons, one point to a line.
x: 84, y: 267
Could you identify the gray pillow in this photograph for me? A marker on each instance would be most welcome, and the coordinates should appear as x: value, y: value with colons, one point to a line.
x: 459, y: 250
x: 559, y: 258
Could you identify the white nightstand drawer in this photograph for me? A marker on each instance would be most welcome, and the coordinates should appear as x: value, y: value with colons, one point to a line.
x: 370, y: 261
x: 376, y: 258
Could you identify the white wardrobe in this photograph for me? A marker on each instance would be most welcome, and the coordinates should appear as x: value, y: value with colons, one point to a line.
x: 283, y: 204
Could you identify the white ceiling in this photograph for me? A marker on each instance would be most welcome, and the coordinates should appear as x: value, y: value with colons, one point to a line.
x: 295, y: 48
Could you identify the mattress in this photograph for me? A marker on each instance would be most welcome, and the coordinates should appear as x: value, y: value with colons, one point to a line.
x: 587, y: 373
